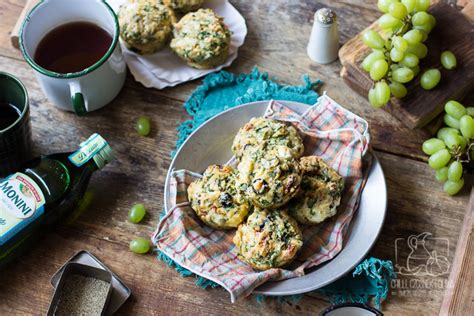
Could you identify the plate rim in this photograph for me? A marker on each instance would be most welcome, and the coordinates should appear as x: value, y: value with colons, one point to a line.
x: 267, y: 286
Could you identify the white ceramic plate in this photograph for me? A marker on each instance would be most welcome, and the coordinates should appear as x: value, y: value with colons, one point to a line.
x: 211, y: 144
x: 165, y: 69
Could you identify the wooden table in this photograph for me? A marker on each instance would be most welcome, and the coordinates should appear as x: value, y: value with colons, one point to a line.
x: 276, y: 42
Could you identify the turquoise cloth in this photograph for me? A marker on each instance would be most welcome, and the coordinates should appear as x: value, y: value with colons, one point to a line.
x: 220, y: 91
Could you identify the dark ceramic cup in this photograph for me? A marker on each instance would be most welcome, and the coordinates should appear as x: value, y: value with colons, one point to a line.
x: 15, y: 137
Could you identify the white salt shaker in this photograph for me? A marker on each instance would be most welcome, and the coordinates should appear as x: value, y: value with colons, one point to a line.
x: 324, y: 40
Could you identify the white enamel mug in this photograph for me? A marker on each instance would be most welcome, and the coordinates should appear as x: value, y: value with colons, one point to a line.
x: 89, y: 89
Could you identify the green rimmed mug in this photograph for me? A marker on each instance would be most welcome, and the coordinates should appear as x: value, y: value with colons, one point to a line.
x: 86, y: 90
x: 15, y: 138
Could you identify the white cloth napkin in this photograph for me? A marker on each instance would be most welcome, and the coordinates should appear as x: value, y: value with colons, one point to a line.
x: 165, y: 69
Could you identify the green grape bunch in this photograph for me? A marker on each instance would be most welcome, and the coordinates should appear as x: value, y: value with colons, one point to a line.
x: 452, y: 151
x: 397, y: 51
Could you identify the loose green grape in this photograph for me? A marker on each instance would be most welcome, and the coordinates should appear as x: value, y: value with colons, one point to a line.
x: 442, y: 174
x: 439, y: 159
x: 420, y: 18
x: 143, y: 126
x: 466, y: 125
x: 373, y: 99
x: 387, y: 21
x: 409, y: 4
x: 371, y: 58
x: 403, y: 75
x: 410, y: 60
x: 382, y: 92
x: 378, y: 70
x: 455, y: 109
x: 448, y: 60
x: 470, y: 111
x: 416, y: 70
x: 451, y: 121
x: 413, y: 36
x: 397, y: 10
x: 453, y: 187
x: 140, y: 245
x: 422, y: 5
x: 384, y: 4
x: 433, y: 145
x: 136, y: 213
x: 419, y: 49
x: 430, y: 79
x: 455, y: 171
x: 400, y: 43
x: 398, y: 89
x: 396, y: 55
x: 443, y: 132
x: 373, y: 39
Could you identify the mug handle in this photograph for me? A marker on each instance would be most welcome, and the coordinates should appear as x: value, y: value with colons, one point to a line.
x: 78, y: 103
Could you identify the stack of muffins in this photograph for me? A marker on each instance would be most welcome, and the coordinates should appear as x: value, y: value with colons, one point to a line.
x: 272, y: 189
x: 200, y: 37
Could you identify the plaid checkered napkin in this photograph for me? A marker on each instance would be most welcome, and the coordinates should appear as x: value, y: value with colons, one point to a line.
x: 331, y: 132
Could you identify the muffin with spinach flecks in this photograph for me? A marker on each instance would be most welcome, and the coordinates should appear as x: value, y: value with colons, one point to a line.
x: 215, y: 199
x: 268, y: 178
x: 320, y: 192
x: 184, y: 6
x: 145, y: 25
x: 201, y: 39
x: 267, y: 133
x: 268, y: 239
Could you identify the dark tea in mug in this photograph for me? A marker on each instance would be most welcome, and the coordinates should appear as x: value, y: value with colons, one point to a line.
x: 72, y: 47
x: 8, y: 114
x: 15, y: 128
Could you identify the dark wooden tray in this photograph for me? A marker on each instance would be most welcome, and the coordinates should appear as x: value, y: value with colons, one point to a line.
x: 453, y: 31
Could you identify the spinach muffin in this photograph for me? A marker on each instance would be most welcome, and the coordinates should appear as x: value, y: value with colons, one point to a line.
x: 201, y: 39
x: 268, y: 179
x: 268, y: 239
x: 145, y: 25
x: 215, y: 199
x: 184, y: 6
x: 320, y: 192
x: 264, y: 134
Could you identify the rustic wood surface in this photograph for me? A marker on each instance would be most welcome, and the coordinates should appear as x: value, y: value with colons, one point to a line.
x: 416, y: 202
x: 459, y: 297
x: 453, y: 31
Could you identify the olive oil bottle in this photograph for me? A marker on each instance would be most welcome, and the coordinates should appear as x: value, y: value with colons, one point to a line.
x: 44, y: 191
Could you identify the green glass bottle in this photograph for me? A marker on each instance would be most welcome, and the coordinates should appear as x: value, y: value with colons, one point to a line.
x: 47, y: 188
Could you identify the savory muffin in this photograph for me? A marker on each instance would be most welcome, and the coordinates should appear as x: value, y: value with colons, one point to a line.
x: 268, y: 179
x: 184, y: 6
x: 201, y: 39
x: 264, y: 134
x: 145, y: 25
x: 320, y: 192
x: 215, y: 199
x: 268, y: 239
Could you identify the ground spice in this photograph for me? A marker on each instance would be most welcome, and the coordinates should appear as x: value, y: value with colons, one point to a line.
x: 82, y: 295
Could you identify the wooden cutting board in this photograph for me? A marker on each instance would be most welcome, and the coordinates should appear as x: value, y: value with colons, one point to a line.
x: 14, y: 35
x: 453, y: 31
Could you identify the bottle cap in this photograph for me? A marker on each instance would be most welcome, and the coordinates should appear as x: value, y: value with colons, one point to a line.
x: 96, y: 148
x: 325, y: 16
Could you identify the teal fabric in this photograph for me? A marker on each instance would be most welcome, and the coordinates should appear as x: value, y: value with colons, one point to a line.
x: 220, y: 91
x: 223, y: 90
